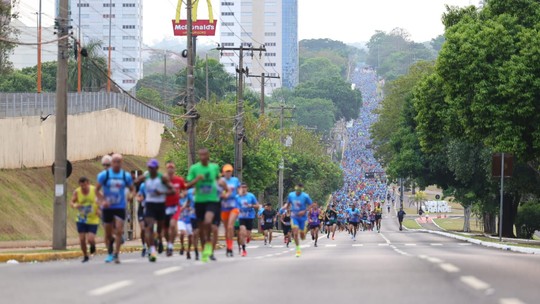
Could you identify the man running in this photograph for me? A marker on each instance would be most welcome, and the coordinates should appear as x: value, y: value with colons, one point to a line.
x: 299, y: 201
x: 354, y: 219
x: 205, y: 176
x: 331, y: 219
x: 157, y: 187
x: 185, y: 224
x: 85, y: 201
x: 172, y: 207
x: 229, y: 207
x: 401, y: 215
x: 314, y: 222
x: 268, y: 217
x: 247, y: 203
x: 378, y: 216
x: 141, y: 196
x: 286, y: 222
x: 113, y: 201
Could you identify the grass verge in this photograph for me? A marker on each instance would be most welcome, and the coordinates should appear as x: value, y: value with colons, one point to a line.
x: 411, y: 224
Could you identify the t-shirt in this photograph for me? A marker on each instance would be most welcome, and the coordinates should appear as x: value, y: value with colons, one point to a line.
x: 246, y: 203
x: 354, y: 215
x: 178, y: 184
x: 114, y: 186
x: 314, y: 216
x: 206, y: 190
x: 299, y: 203
x: 88, y: 207
x: 268, y: 216
x: 378, y: 211
x: 230, y: 203
x: 331, y: 215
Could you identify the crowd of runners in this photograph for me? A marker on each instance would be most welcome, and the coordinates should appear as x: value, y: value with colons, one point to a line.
x: 171, y: 208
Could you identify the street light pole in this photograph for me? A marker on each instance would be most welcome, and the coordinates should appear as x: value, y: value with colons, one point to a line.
x: 502, y: 199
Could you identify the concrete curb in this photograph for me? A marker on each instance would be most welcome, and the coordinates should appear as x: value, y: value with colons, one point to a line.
x: 484, y: 243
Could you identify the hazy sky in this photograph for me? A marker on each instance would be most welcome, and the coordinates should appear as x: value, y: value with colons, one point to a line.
x: 346, y: 20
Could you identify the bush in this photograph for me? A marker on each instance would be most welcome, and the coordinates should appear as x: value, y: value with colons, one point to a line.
x: 528, y: 220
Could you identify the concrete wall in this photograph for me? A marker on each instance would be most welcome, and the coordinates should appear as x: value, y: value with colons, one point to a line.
x: 28, y: 142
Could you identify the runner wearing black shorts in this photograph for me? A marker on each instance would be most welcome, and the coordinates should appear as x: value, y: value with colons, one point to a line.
x: 268, y: 217
x: 286, y: 222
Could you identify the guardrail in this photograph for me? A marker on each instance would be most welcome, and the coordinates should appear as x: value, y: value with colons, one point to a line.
x: 43, y: 104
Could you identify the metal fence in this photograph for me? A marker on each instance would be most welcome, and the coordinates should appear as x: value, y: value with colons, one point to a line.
x: 34, y: 104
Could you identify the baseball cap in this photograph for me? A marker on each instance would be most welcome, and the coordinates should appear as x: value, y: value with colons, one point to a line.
x: 227, y: 168
x: 153, y: 163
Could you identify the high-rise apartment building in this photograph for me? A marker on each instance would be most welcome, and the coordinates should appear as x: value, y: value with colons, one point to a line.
x: 91, y: 18
x: 273, y: 23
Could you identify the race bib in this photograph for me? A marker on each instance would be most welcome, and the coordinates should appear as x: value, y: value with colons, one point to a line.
x: 269, y: 220
x: 206, y: 189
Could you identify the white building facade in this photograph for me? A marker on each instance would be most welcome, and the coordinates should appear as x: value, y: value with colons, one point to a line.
x: 273, y: 23
x: 91, y: 18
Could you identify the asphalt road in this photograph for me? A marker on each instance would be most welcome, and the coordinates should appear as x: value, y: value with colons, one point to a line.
x: 390, y: 267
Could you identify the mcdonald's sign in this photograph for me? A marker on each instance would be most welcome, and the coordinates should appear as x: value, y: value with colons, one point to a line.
x: 200, y: 27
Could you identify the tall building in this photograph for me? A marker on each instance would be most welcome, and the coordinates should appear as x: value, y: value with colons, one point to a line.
x: 91, y: 18
x: 273, y: 23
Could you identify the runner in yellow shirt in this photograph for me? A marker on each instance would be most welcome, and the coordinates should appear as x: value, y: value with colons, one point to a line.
x: 85, y: 201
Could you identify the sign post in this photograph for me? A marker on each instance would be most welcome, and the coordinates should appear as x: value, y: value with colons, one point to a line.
x: 502, y: 168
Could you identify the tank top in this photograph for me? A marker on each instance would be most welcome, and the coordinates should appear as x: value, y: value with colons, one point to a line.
x: 151, y: 186
x: 88, y: 210
x: 287, y: 219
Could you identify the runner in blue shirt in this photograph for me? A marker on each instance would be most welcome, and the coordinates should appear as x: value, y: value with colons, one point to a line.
x: 354, y: 218
x: 111, y: 192
x: 247, y: 203
x: 299, y: 201
x: 187, y: 224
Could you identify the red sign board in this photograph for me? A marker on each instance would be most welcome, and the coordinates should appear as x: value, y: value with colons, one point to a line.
x: 200, y: 28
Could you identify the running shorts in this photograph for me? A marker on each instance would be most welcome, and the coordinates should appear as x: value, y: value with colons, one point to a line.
x: 155, y: 211
x: 194, y: 224
x: 110, y: 214
x: 268, y: 226
x: 378, y: 217
x: 202, y: 208
x: 300, y: 223
x: 248, y: 223
x: 226, y: 214
x: 86, y: 228
x: 183, y: 226
x: 286, y: 229
x: 313, y: 226
x: 353, y: 223
x: 140, y: 213
x: 171, y: 213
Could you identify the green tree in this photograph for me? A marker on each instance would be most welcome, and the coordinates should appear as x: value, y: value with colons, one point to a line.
x: 17, y: 81
x: 7, y: 31
x: 317, y: 68
x: 93, y: 69
x: 151, y: 97
x: 315, y: 112
x: 219, y: 81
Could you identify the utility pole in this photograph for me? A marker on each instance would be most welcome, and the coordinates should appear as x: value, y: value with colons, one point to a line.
x: 39, y: 51
x: 263, y: 77
x: 110, y: 50
x: 79, y: 59
x: 239, y: 120
x: 164, y: 74
x: 190, y: 85
x: 60, y: 153
x: 207, y: 87
x: 281, y: 109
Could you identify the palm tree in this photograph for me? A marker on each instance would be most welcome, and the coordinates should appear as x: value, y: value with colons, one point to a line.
x: 94, y: 69
x: 419, y: 197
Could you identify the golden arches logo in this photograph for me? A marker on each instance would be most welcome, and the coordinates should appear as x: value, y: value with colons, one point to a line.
x: 195, y: 5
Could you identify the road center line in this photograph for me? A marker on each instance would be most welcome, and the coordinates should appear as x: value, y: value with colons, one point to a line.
x: 434, y: 260
x: 383, y: 244
x: 385, y: 238
x: 436, y: 244
x: 510, y: 301
x: 474, y: 282
x: 410, y: 244
x: 330, y: 245
x: 357, y: 245
x: 252, y: 247
x: 110, y: 288
x: 448, y: 267
x: 165, y: 271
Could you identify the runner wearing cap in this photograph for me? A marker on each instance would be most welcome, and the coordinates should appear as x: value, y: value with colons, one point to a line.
x: 299, y: 201
x: 172, y: 207
x: 229, y: 207
x: 157, y: 187
x: 113, y: 182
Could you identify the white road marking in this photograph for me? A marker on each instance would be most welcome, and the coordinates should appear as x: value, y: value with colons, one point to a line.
x: 322, y: 236
x: 268, y: 255
x: 434, y: 260
x: 129, y: 261
x: 423, y: 257
x: 110, y: 288
x: 259, y: 257
x: 385, y: 238
x: 304, y: 246
x: 252, y: 247
x: 330, y: 245
x: 357, y: 245
x: 285, y: 251
x: 474, y: 283
x: 383, y: 244
x: 165, y: 271
x: 465, y: 244
x: 510, y: 301
x: 436, y: 244
x: 448, y: 267
x: 278, y: 246
x: 410, y: 244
